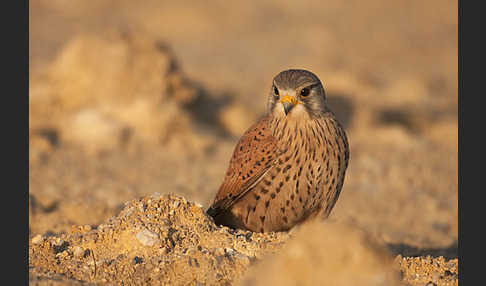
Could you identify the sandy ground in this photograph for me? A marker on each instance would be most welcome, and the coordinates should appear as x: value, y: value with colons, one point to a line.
x: 130, y: 103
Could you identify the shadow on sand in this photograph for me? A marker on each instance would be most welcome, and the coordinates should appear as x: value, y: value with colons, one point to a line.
x: 449, y: 252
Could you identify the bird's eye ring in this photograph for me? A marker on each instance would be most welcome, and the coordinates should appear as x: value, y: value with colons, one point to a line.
x: 304, y: 92
x: 275, y: 90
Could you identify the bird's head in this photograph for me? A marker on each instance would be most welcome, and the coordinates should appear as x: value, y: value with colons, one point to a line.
x: 296, y: 93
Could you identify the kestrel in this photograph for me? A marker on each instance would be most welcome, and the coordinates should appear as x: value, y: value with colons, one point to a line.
x: 289, y: 166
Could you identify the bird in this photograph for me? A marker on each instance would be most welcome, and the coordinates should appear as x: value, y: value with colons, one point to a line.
x: 288, y: 167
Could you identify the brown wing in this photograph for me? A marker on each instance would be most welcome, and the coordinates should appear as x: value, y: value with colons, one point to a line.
x: 253, y: 156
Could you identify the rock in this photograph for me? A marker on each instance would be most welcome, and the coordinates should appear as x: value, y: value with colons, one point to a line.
x: 147, y: 238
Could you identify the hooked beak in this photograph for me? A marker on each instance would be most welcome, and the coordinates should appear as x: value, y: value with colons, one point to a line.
x: 288, y: 103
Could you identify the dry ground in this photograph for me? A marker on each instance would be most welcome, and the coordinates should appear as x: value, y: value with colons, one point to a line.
x: 131, y: 102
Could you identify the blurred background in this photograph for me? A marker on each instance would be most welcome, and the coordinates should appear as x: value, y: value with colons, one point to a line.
x: 129, y: 98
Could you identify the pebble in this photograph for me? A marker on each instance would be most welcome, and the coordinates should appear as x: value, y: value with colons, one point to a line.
x: 63, y: 254
x: 435, y: 276
x: 162, y: 250
x: 147, y: 237
x: 451, y: 264
x: 78, y: 252
x: 137, y: 260
x: 58, y: 241
x: 156, y: 195
x: 37, y: 239
x: 141, y: 207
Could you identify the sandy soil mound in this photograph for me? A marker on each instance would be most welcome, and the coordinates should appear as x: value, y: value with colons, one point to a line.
x: 325, y: 254
x: 106, y: 91
x: 156, y: 239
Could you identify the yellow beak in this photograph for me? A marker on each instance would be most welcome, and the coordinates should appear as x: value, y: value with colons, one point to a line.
x: 288, y: 103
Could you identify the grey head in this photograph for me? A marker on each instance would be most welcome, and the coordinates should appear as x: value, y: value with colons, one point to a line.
x: 297, y: 87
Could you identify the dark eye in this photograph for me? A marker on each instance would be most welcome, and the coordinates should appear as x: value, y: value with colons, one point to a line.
x: 305, y: 92
x: 275, y: 90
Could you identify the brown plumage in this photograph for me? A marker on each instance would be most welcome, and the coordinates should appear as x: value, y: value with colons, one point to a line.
x: 289, y: 166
